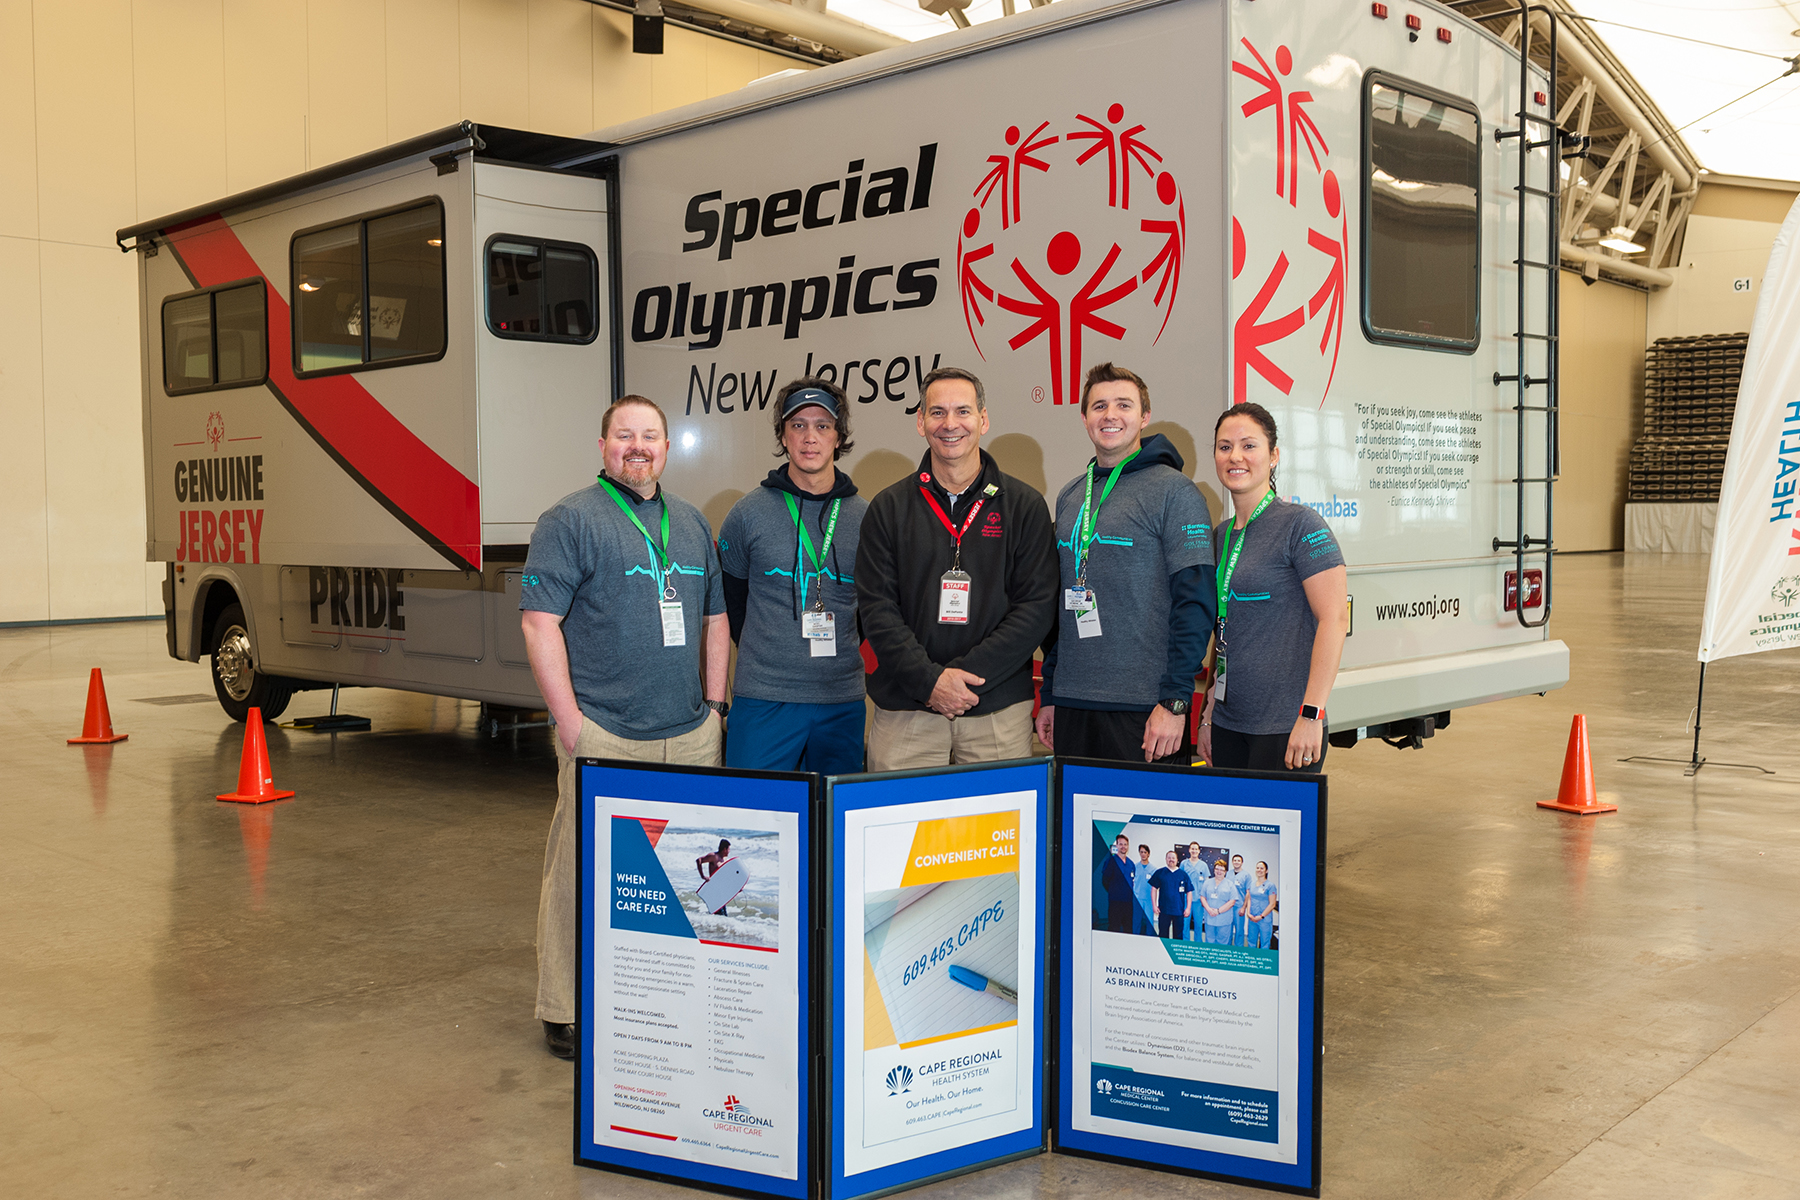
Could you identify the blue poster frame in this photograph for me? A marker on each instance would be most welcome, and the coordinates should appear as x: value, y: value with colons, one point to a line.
x: 766, y: 791
x: 849, y: 793
x: 1302, y: 793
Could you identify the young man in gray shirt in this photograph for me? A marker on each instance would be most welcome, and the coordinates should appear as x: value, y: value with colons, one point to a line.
x: 624, y: 619
x: 787, y: 551
x: 1134, y: 539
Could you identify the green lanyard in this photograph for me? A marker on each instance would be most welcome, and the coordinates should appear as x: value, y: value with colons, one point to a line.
x: 659, y: 560
x: 1090, y: 514
x: 1230, y: 557
x: 824, y: 546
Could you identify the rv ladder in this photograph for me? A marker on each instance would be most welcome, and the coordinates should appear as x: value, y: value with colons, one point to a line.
x: 1533, y: 272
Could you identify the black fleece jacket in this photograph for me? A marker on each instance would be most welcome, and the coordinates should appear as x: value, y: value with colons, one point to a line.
x: 1009, y: 553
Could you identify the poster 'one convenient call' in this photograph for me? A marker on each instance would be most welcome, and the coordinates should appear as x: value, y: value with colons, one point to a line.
x: 1190, y: 971
x: 939, y: 961
x: 694, y: 961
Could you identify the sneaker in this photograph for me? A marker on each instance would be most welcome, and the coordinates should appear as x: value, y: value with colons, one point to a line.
x: 560, y: 1039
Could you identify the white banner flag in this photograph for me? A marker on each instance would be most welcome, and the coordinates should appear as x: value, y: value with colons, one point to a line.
x: 1753, y: 586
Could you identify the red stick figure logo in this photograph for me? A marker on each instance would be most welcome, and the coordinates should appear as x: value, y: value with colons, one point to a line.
x: 215, y: 428
x: 1072, y: 272
x: 1319, y: 258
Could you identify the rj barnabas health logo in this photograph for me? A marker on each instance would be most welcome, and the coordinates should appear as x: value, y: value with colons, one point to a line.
x: 736, y: 1112
x: 899, y: 1080
x: 1035, y: 278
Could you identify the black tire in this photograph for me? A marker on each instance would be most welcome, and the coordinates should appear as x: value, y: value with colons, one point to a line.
x: 237, y: 682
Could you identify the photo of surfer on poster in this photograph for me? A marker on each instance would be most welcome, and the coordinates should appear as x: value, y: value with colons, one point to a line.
x: 726, y: 881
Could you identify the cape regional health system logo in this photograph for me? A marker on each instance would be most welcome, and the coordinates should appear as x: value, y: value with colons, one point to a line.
x: 899, y: 1080
x: 736, y: 1112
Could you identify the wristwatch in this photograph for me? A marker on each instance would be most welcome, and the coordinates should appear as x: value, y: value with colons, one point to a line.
x: 1178, y: 708
x: 719, y: 706
x: 1312, y: 712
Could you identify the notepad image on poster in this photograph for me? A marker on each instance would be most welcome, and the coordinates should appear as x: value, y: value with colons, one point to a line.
x: 958, y: 905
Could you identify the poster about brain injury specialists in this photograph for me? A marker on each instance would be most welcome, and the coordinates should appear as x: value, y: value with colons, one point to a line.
x: 696, y: 974
x: 1190, y: 970
x: 939, y: 961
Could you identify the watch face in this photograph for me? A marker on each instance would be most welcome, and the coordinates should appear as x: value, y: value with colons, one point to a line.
x: 1178, y: 707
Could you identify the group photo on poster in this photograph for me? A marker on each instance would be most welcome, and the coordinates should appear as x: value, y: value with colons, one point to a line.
x: 939, y: 979
x: 1185, y: 1010
x: 696, y: 985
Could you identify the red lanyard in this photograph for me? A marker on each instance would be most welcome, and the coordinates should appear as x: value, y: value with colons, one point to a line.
x: 954, y: 531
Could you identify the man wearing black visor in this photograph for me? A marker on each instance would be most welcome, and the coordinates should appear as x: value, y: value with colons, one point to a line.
x: 788, y: 554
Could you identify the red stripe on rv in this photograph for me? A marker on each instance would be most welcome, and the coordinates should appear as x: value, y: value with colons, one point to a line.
x: 413, y: 476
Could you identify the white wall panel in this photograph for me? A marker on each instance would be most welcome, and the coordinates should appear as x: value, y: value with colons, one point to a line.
x: 346, y: 63
x: 86, y: 157
x: 93, y: 431
x: 495, y: 60
x: 18, y: 99
x: 621, y: 78
x: 1716, y: 254
x: 178, y: 85
x: 424, y: 41
x: 265, y: 91
x: 24, y: 545
x: 561, y: 74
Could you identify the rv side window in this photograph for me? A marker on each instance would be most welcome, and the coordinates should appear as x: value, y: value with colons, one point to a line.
x: 217, y: 338
x: 542, y: 291
x: 1422, y: 217
x: 388, y: 265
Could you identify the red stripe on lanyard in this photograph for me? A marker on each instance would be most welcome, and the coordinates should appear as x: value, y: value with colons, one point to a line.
x: 969, y: 520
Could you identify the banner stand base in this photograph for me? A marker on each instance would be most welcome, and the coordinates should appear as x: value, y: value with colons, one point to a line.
x: 1693, y: 765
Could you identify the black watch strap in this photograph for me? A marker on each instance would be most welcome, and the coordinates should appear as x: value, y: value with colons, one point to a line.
x: 722, y: 707
x: 1178, y: 707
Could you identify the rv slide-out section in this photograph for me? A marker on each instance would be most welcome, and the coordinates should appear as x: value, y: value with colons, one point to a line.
x: 360, y: 389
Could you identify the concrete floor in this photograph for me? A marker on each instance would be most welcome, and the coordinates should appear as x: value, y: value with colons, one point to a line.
x: 331, y: 996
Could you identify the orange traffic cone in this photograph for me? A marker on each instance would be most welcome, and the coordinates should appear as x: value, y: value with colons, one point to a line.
x: 1576, y: 795
x: 256, y: 780
x: 96, y: 727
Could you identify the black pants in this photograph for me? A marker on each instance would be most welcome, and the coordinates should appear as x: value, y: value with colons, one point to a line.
x: 1118, y: 916
x: 1091, y: 733
x: 1168, y: 925
x: 1250, y: 751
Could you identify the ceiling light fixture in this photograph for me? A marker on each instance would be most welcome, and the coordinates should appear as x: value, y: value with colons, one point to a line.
x: 1619, y: 238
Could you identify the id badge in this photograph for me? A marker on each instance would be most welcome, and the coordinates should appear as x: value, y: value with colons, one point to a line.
x: 953, y: 598
x: 820, y: 631
x: 1087, y: 622
x: 1219, y: 681
x: 674, y: 623
x: 1076, y: 598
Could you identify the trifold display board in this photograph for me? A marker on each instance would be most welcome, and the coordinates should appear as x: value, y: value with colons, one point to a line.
x: 1198, y: 1052
x: 835, y: 988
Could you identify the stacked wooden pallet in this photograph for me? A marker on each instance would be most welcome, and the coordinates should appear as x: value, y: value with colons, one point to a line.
x: 1690, y: 393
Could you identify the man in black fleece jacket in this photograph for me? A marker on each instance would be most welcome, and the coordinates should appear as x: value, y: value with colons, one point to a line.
x: 956, y: 579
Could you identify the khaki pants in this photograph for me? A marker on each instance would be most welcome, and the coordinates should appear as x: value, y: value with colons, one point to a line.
x: 904, y: 741
x: 556, y: 900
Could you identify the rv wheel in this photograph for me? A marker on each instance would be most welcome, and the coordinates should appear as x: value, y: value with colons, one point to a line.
x: 237, y: 681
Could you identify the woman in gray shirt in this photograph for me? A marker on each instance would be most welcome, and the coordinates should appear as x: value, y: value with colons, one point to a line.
x: 1283, y: 611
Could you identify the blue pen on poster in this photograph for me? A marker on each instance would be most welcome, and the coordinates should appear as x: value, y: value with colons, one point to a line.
x: 981, y: 983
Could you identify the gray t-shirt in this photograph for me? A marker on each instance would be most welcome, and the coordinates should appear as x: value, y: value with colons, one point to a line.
x: 1269, y: 625
x: 591, y: 566
x: 1154, y: 524
x: 758, y: 543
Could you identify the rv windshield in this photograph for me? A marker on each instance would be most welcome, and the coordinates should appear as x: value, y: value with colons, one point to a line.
x: 1422, y: 254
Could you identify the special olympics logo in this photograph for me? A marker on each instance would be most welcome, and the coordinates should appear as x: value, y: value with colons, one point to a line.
x: 1011, y: 257
x: 1786, y: 590
x: 899, y: 1080
x: 215, y: 428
